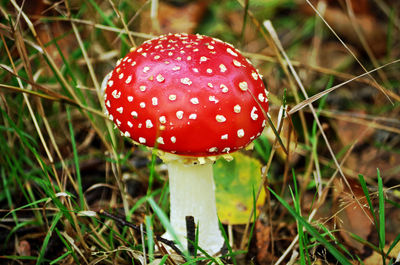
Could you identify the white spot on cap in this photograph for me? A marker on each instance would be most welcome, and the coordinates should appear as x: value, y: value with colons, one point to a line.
x: 116, y: 94
x: 127, y: 134
x: 140, y: 49
x: 121, y: 75
x: 179, y: 114
x: 130, y: 98
x: 210, y: 47
x: 240, y: 133
x: 142, y: 88
x: 149, y: 124
x: 213, y: 149
x: 173, y: 139
x: 170, y: 53
x: 133, y: 63
x: 264, y: 123
x: 195, y: 70
x: 120, y: 109
x: 128, y: 79
x: 193, y: 116
x: 209, y: 70
x: 172, y: 97
x: 110, y: 83
x: 243, y: 86
x: 146, y: 69
x: 162, y: 119
x: 130, y: 124
x: 154, y: 101
x: 253, y: 114
x: 237, y: 63
x: 189, y: 58
x: 111, y: 117
x: 142, y: 105
x: 157, y: 57
x: 134, y: 114
x: 254, y: 75
x: 160, y: 78
x: 222, y: 68
x: 226, y: 149
x: 224, y: 137
x: 108, y: 103
x: 237, y: 109
x: 118, y: 122
x: 142, y: 140
x: 160, y: 140
x: 203, y: 59
x: 194, y: 101
x: 224, y: 88
x: 176, y: 68
x: 213, y: 99
x: 261, y: 97
x: 229, y: 50
x: 220, y: 118
x: 186, y: 81
x: 144, y: 54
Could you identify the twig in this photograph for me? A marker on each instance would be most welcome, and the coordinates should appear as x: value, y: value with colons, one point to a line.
x: 191, y: 235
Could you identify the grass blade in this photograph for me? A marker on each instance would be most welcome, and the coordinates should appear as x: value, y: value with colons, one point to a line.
x: 76, y: 159
x: 56, y: 218
x: 381, y: 231
x: 339, y: 256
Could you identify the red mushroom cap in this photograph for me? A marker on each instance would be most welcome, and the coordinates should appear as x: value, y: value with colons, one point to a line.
x: 187, y: 94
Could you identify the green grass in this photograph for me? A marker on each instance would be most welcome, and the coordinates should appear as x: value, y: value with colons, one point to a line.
x: 61, y: 156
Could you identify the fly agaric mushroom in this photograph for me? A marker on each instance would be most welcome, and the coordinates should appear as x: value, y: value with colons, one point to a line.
x: 193, y: 98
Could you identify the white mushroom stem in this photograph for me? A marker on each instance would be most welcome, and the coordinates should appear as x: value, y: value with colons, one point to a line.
x: 192, y: 194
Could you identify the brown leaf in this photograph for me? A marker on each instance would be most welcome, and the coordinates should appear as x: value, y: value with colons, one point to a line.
x: 359, y: 6
x: 341, y: 23
x: 263, y: 239
x: 177, y: 18
x: 349, y: 132
x: 24, y: 248
x: 350, y: 217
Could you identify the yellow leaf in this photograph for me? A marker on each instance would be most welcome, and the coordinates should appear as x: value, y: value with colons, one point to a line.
x: 236, y: 181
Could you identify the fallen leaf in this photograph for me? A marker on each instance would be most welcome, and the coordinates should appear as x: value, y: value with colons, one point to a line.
x: 376, y: 258
x: 370, y: 27
x: 236, y: 181
x: 263, y: 240
x: 176, y: 18
x: 350, y: 217
x: 24, y: 248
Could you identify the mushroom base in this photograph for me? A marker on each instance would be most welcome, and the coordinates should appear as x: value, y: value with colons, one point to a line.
x: 192, y: 193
